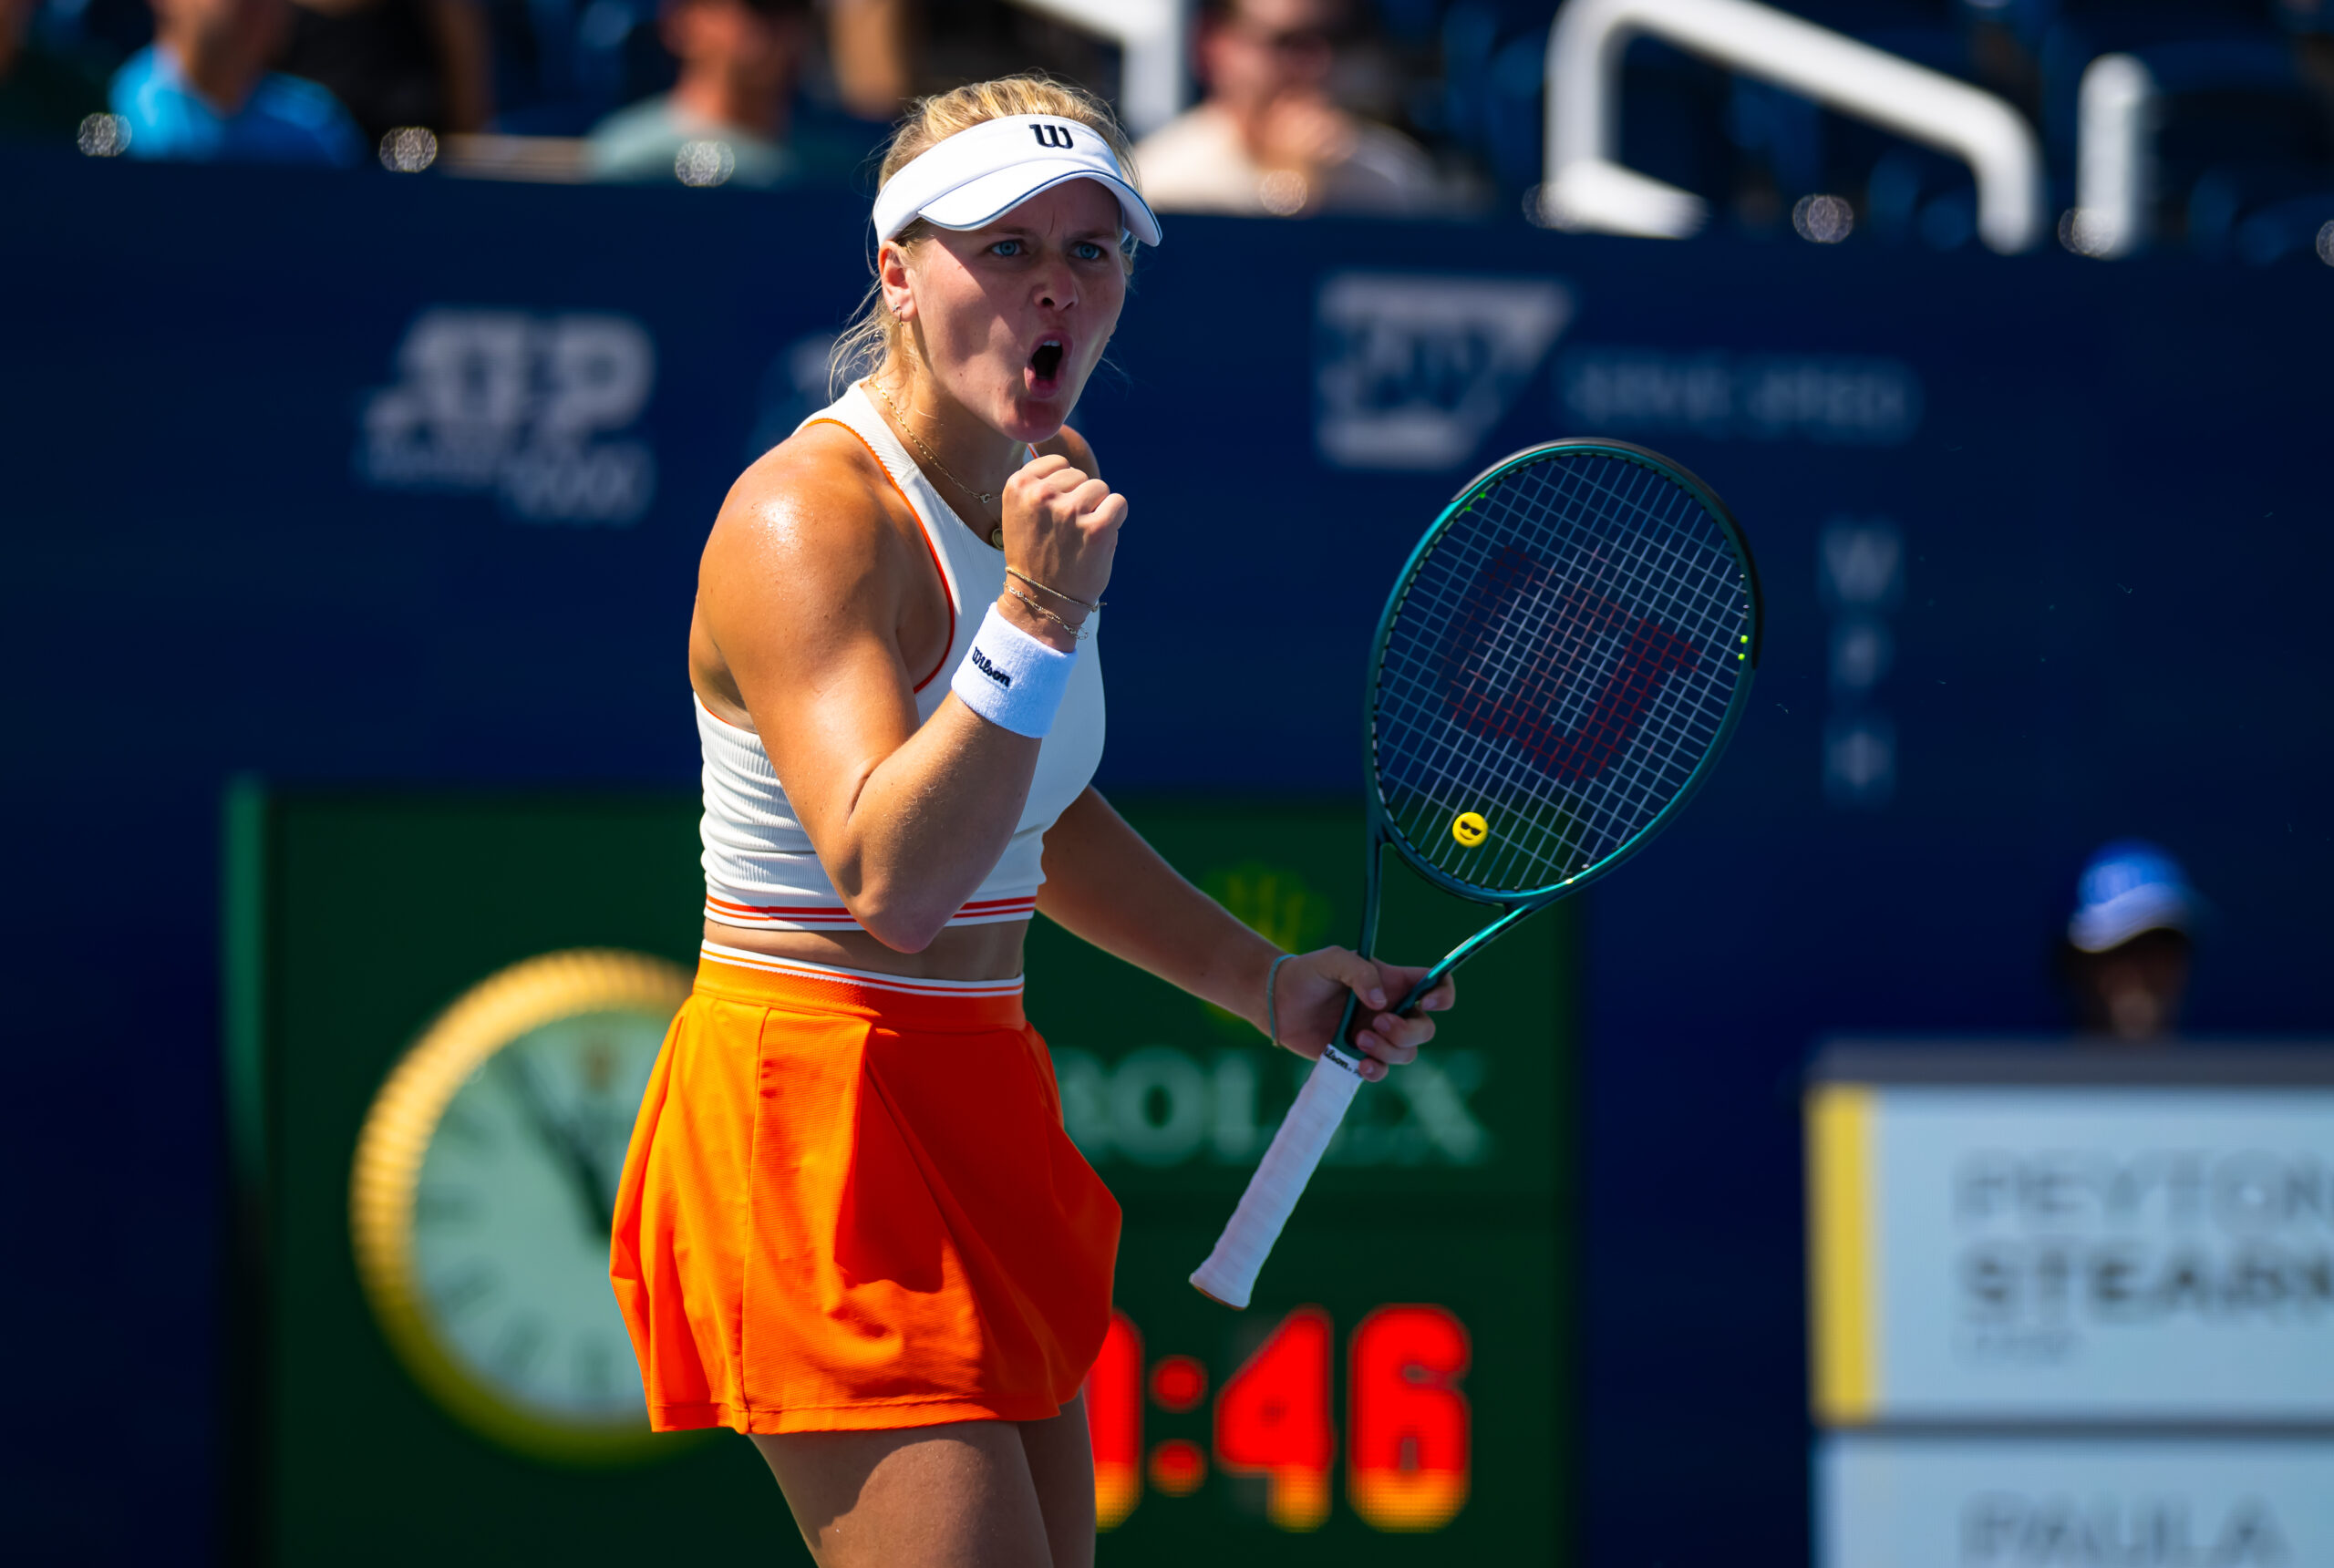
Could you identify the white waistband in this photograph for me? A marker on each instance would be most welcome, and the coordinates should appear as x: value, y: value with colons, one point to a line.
x: 913, y: 985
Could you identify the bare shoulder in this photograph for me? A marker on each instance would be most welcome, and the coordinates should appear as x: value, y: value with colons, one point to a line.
x: 809, y: 564
x: 1068, y: 443
x: 817, y: 503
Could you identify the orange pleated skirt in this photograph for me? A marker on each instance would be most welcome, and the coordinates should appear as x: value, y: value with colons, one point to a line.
x: 850, y: 1204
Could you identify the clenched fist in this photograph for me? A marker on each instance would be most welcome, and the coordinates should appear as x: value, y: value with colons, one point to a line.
x: 1061, y: 529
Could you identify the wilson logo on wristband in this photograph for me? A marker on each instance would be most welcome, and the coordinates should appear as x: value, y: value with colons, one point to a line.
x: 1012, y: 679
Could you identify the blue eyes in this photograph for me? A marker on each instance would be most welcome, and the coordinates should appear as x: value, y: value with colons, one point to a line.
x: 1084, y: 250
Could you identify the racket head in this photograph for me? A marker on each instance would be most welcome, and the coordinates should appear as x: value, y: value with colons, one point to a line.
x: 1559, y: 668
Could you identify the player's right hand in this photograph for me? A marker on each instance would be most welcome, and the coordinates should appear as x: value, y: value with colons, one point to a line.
x: 1061, y: 527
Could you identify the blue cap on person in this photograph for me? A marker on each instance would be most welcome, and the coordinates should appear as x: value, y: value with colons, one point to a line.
x: 2130, y: 886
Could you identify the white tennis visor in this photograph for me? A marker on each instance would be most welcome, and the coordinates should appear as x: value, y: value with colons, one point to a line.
x: 977, y: 176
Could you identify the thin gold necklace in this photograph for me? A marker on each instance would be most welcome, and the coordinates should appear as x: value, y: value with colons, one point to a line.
x: 987, y: 497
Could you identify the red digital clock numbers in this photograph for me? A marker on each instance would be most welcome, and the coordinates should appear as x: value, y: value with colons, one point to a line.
x: 1406, y: 1432
x: 1114, y: 1422
x: 1272, y: 1420
x: 1178, y: 1383
x: 1407, y: 1454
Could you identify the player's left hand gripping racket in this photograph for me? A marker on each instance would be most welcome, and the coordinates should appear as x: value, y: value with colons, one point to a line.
x: 1559, y: 668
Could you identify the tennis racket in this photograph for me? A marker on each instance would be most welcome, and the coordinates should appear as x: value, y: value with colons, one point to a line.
x: 1558, y: 667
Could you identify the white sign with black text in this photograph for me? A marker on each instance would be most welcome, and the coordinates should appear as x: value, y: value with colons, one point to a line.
x: 2102, y: 1253
x: 1968, y: 1503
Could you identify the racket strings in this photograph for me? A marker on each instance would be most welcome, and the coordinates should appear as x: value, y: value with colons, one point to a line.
x: 1618, y: 690
x: 1538, y: 699
x: 1561, y: 662
x: 1610, y: 702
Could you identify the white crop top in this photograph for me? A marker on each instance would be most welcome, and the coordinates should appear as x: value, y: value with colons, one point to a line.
x: 760, y: 868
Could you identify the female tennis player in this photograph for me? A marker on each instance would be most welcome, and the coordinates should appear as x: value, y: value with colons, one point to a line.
x: 851, y: 1224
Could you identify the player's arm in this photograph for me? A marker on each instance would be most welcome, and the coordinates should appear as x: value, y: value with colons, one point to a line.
x: 1105, y: 884
x: 802, y: 591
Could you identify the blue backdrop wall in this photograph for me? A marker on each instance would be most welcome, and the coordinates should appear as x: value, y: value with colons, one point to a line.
x: 371, y: 479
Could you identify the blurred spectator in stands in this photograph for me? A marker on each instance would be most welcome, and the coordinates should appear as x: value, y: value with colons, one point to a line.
x: 2126, y: 955
x: 202, y: 90
x: 867, y: 46
x: 1268, y: 138
x: 394, y: 63
x: 43, y: 94
x: 2310, y: 23
x: 738, y: 59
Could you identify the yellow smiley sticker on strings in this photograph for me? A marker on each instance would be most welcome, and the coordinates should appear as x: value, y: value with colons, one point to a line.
x: 1469, y: 828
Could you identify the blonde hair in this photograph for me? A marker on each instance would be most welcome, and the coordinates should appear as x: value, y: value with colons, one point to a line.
x: 876, y: 337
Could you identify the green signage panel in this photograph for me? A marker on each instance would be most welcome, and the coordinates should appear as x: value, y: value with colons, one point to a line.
x: 441, y: 1011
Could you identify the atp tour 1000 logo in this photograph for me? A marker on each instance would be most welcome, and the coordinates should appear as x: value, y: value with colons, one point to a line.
x: 527, y: 409
x: 1413, y: 372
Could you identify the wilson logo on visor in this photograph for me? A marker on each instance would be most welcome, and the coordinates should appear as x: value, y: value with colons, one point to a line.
x: 1051, y: 135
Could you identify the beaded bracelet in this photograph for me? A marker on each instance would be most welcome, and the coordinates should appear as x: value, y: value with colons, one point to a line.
x: 1272, y: 1003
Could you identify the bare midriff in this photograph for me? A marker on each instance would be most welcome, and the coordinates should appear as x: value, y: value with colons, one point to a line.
x: 958, y: 952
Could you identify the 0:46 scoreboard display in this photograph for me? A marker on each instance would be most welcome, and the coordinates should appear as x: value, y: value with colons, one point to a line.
x: 1398, y: 1391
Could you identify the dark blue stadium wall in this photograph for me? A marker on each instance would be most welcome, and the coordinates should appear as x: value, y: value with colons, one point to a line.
x: 2083, y: 504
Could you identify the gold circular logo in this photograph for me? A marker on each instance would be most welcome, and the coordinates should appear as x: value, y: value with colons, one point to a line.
x: 482, y: 1195
x: 1469, y: 828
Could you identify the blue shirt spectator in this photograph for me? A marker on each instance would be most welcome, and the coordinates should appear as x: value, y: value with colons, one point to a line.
x: 203, y: 91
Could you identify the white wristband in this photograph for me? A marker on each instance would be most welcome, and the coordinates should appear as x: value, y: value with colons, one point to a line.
x: 1012, y: 679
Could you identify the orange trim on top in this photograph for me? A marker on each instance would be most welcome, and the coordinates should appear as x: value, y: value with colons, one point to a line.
x: 923, y: 532
x: 1020, y: 903
x: 841, y: 910
x: 754, y: 735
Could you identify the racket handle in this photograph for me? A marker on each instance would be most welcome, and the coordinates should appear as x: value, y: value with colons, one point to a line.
x: 1230, y: 1273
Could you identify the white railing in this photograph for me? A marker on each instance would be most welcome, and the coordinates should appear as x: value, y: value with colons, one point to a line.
x: 2115, y: 121
x: 1588, y: 188
x: 1153, y: 51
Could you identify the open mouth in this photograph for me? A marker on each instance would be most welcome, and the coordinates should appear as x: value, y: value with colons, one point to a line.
x: 1045, y: 363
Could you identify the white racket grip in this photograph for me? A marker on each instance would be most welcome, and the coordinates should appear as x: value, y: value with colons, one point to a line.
x: 1230, y: 1273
